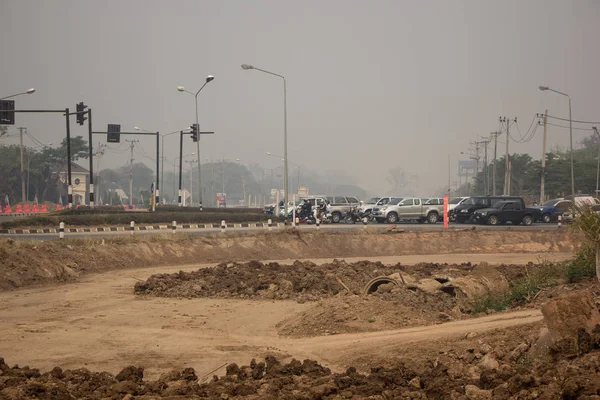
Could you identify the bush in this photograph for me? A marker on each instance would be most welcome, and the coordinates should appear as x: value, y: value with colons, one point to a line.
x: 523, y: 290
x: 583, y: 265
x: 124, y: 218
x: 85, y: 210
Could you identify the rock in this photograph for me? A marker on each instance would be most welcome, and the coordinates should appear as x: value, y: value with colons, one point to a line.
x: 415, y: 382
x: 125, y: 387
x: 474, y: 393
x: 404, y: 278
x: 347, y: 394
x: 131, y: 373
x: 518, y: 352
x: 485, y: 348
x: 471, y: 335
x: 565, y: 315
x: 426, y: 285
x: 489, y: 362
x: 442, y: 316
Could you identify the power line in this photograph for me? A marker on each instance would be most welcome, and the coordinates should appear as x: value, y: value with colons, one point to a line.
x: 576, y: 121
x: 566, y: 127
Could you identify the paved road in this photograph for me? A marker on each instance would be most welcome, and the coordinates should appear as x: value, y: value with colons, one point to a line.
x: 326, y: 227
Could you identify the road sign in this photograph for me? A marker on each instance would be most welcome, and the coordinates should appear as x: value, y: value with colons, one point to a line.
x: 7, y: 115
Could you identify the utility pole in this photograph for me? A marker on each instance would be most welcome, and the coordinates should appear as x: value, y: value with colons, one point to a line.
x: 133, y: 142
x: 23, y: 197
x: 495, y: 134
x: 505, y: 189
x: 191, y: 162
x: 543, y: 184
x: 486, y: 178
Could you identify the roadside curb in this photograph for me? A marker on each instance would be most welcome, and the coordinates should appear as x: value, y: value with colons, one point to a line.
x: 139, y: 228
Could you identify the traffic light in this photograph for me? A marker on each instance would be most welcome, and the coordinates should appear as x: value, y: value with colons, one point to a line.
x: 7, y: 115
x: 80, y: 113
x: 195, y: 132
x: 113, y: 133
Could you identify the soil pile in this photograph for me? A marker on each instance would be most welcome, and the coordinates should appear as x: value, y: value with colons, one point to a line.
x: 481, y: 371
x: 302, y: 281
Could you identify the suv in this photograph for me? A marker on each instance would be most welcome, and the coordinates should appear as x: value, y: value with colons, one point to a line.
x: 513, y: 211
x: 339, y: 206
x: 464, y: 211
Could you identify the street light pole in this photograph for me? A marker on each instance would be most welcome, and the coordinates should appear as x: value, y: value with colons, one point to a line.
x: 544, y: 88
x: 209, y: 78
x: 285, y: 158
x: 28, y: 91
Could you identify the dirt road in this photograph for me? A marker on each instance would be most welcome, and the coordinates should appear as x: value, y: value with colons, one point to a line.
x: 98, y: 323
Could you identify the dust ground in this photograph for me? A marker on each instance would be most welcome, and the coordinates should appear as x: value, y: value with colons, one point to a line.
x: 94, y: 320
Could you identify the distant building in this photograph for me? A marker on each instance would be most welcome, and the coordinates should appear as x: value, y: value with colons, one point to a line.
x: 79, y: 181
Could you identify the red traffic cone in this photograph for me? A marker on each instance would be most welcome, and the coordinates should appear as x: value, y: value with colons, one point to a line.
x: 44, y: 208
x: 7, y: 210
x: 19, y: 209
x: 58, y: 207
x: 36, y: 209
x: 27, y: 210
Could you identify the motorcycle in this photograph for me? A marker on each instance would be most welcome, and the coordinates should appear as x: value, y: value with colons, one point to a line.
x: 356, y: 215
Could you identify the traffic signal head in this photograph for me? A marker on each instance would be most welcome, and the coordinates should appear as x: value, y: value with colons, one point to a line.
x: 195, y: 132
x: 7, y: 114
x: 114, y: 133
x: 80, y: 113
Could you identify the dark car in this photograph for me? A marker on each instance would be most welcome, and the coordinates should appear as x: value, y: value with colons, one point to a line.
x: 463, y: 212
x: 551, y: 209
x: 513, y: 211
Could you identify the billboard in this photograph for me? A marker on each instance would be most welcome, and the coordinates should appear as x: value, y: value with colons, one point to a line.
x: 465, y: 166
x: 222, y: 200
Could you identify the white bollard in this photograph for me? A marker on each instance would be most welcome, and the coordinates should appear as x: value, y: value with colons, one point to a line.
x: 61, y: 231
x: 365, y: 222
x: 223, y: 226
x: 318, y: 223
x: 174, y: 226
x: 131, y: 227
x: 559, y: 221
x: 270, y: 225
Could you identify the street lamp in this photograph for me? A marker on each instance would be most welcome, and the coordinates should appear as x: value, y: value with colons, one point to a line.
x: 209, y: 78
x: 285, y: 160
x: 544, y: 88
x: 28, y: 91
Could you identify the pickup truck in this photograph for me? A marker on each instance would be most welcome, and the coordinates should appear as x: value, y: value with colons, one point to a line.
x: 513, y: 211
x: 339, y: 206
x: 412, y: 209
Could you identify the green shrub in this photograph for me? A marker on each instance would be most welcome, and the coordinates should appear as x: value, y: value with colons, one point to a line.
x: 583, y: 265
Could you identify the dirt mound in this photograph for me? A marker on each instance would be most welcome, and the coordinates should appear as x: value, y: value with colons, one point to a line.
x: 303, y: 281
x: 390, y: 307
x: 499, y: 365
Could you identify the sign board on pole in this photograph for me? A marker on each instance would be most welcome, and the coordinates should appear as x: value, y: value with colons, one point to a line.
x: 446, y: 216
x: 222, y: 200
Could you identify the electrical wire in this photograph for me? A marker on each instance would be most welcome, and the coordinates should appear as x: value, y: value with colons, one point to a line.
x: 574, y: 120
x: 566, y: 127
x: 529, y: 134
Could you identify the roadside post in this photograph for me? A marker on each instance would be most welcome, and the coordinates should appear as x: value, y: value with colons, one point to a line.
x: 174, y: 226
x: 223, y: 226
x: 293, y: 211
x: 446, y: 217
x: 131, y: 227
x: 61, y: 231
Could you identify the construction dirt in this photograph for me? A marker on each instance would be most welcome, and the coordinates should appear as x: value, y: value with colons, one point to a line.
x: 501, y: 365
x: 25, y: 263
x: 381, y: 328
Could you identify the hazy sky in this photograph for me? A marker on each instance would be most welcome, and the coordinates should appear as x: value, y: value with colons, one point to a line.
x: 371, y: 84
